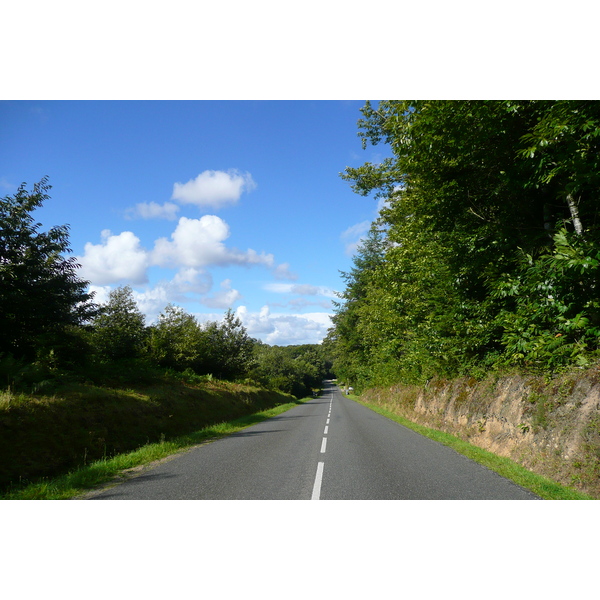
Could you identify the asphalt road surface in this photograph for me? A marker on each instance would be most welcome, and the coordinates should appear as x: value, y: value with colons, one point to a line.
x: 330, y: 448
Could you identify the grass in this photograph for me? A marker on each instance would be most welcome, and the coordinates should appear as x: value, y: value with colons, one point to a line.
x: 107, y: 470
x: 76, y: 423
x: 542, y: 486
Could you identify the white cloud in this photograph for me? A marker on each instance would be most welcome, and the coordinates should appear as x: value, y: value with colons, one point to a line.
x: 153, y: 210
x: 223, y: 299
x: 116, y: 258
x: 199, y: 242
x: 195, y: 244
x: 214, y: 188
x: 101, y: 293
x: 300, y: 289
x: 187, y: 284
x: 283, y: 329
x: 189, y: 280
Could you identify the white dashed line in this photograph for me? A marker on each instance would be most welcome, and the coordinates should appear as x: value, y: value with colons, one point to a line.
x: 316, y: 494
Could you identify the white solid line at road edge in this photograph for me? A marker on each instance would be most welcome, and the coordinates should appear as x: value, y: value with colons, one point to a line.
x: 318, y: 480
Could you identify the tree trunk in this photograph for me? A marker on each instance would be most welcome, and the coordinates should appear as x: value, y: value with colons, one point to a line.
x: 574, y: 214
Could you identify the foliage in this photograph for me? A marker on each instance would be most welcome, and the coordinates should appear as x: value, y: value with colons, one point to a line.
x: 180, y: 342
x: 554, y: 316
x: 40, y: 292
x: 176, y: 340
x: 486, y: 251
x: 297, y: 370
x: 119, y: 329
x: 230, y: 354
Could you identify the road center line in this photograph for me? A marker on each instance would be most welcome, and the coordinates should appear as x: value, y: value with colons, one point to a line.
x: 316, y: 494
x: 323, y: 445
x: 326, y: 429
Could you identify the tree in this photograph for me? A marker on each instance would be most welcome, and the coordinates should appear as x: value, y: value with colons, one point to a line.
x: 296, y: 370
x: 353, y: 344
x: 230, y: 346
x: 119, y: 329
x: 40, y: 292
x: 564, y: 149
x: 470, y: 187
x: 177, y: 340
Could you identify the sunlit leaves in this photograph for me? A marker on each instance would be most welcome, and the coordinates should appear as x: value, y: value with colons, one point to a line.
x: 479, y: 263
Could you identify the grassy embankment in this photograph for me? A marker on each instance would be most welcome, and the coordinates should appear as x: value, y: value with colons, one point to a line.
x: 542, y: 486
x: 83, y: 435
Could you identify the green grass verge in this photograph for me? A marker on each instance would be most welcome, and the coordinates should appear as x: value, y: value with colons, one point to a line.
x: 543, y: 487
x: 82, y: 480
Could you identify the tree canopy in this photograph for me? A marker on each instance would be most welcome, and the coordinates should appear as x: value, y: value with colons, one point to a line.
x: 40, y: 291
x: 488, y: 244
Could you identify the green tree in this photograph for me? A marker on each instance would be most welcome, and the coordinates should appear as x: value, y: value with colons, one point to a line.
x: 296, y: 370
x: 470, y: 186
x: 564, y: 149
x: 230, y: 348
x: 177, y: 340
x: 41, y: 294
x: 119, y: 329
x: 352, y: 343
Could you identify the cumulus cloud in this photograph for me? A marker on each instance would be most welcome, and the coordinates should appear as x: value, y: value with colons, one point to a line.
x: 224, y: 298
x: 199, y: 242
x: 117, y: 258
x: 153, y: 210
x: 284, y: 329
x: 195, y: 244
x: 214, y: 188
x: 191, y: 281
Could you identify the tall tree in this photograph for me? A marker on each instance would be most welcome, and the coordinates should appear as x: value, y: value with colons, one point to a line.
x: 230, y: 346
x: 470, y: 187
x: 177, y: 340
x: 40, y: 291
x: 119, y: 329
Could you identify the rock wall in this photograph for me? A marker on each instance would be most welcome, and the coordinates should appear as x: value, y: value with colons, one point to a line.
x: 550, y: 426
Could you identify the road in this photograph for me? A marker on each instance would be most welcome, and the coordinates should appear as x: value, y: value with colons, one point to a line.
x: 329, y: 448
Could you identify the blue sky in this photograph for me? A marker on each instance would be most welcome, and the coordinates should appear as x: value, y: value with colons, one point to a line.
x: 204, y: 204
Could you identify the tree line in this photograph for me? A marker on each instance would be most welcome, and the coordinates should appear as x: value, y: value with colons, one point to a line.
x: 487, y: 251
x: 50, y: 326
